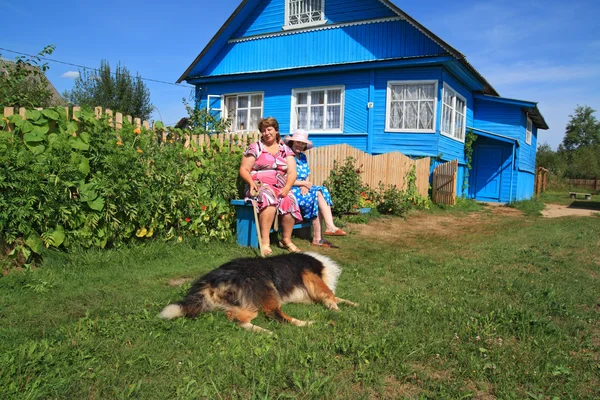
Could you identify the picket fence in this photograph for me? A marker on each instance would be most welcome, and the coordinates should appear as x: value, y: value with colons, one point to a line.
x: 113, y: 118
x: 389, y: 168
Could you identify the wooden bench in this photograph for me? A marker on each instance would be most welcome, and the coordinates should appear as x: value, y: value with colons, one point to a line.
x: 587, y: 196
x: 246, y: 227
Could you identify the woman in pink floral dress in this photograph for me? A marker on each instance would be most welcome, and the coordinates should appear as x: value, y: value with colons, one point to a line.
x: 269, y: 169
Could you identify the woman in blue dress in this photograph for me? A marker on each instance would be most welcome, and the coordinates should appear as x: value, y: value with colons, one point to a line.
x: 314, y: 201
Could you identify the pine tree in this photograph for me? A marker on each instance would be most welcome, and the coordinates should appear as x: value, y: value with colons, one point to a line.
x: 117, y: 90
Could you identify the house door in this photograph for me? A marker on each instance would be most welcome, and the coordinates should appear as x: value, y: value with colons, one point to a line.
x: 488, y: 173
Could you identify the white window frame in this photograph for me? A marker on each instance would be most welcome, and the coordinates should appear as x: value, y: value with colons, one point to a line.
x: 294, y: 114
x: 454, y: 111
x: 321, y: 21
x: 227, y: 113
x: 528, y: 130
x: 388, y: 106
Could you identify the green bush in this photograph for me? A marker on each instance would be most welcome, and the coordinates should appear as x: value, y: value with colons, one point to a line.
x: 345, y: 186
x: 84, y: 184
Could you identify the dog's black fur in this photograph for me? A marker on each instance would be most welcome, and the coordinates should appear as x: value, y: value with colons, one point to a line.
x: 245, y: 286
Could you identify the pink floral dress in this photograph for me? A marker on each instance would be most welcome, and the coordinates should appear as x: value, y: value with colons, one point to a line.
x: 270, y: 173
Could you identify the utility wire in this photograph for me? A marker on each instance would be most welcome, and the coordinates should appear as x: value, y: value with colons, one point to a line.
x: 93, y: 69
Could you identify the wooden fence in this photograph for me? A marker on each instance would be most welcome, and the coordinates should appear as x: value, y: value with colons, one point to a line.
x: 390, y: 168
x: 591, y: 185
x: 114, y: 118
x: 443, y: 189
x: 541, y: 180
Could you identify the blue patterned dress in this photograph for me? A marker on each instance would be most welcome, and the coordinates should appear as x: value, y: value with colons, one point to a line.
x: 309, y: 206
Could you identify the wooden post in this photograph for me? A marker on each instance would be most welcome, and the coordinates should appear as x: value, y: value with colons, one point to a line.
x: 76, y: 109
x: 8, y: 111
x: 109, y: 114
x: 119, y: 120
x: 544, y: 180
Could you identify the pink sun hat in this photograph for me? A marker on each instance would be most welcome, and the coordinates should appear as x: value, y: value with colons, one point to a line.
x: 300, y: 135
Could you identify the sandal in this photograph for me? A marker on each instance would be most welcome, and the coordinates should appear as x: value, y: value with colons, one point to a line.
x: 326, y: 244
x: 266, y: 250
x: 337, y: 232
x: 291, y: 247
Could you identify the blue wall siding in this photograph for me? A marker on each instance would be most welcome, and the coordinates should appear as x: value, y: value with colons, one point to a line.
x: 277, y: 102
x: 340, y: 11
x: 413, y: 144
x: 507, y: 120
x: 503, y: 119
x: 525, y: 185
x: 269, y: 16
x: 369, y: 42
x: 527, y: 152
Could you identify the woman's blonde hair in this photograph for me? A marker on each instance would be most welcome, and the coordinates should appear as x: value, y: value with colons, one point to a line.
x: 264, y: 123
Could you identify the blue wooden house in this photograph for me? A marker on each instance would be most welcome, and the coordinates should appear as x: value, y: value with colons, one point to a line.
x: 364, y: 73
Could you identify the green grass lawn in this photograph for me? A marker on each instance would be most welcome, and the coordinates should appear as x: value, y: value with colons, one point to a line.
x: 454, y: 304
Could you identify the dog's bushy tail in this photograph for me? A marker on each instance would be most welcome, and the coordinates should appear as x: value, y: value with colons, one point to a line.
x: 172, y: 311
x: 190, y: 307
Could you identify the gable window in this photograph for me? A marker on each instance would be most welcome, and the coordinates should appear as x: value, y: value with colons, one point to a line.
x: 453, y: 114
x: 244, y: 111
x: 300, y: 13
x: 410, y: 106
x: 528, y: 131
x: 318, y: 109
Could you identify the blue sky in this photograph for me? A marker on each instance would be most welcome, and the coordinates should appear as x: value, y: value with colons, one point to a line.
x: 547, y: 51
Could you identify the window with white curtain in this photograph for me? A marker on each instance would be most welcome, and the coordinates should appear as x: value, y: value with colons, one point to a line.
x: 528, y: 131
x: 454, y: 108
x: 318, y: 109
x: 300, y: 13
x: 410, y: 106
x: 244, y: 110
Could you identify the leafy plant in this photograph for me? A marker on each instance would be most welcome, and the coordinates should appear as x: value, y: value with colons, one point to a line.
x: 345, y: 186
x: 85, y: 184
x: 470, y: 139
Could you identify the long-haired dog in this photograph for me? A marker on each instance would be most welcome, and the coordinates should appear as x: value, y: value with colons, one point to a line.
x: 245, y: 286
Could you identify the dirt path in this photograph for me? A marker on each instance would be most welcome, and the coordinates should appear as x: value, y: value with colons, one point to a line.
x: 399, y: 231
x: 558, y: 210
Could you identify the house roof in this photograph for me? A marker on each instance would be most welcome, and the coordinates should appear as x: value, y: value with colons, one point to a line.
x: 529, y: 107
x: 56, y: 98
x: 229, y: 27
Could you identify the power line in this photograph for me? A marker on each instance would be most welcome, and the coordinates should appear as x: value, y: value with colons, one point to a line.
x: 93, y: 69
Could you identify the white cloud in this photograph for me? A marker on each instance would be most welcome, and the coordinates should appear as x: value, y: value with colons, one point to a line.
x: 70, y: 74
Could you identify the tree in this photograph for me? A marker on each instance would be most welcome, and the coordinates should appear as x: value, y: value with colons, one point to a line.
x: 551, y: 160
x: 583, y: 129
x: 118, y: 91
x: 23, y: 83
x: 584, y: 163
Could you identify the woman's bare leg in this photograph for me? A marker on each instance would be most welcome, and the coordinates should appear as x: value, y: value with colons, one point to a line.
x: 265, y: 219
x: 325, y: 210
x: 287, y: 226
x: 316, y: 227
